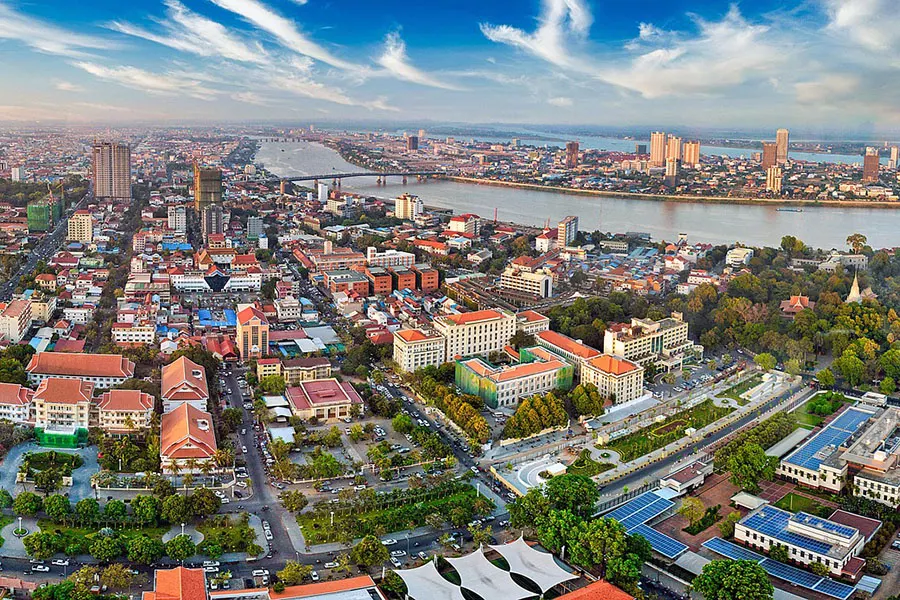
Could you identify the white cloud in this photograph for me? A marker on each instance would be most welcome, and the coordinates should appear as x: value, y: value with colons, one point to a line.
x: 562, y: 22
x: 827, y: 88
x: 189, y: 32
x: 284, y: 30
x: 396, y: 62
x: 250, y: 98
x: 68, y: 86
x: 873, y: 24
x: 45, y: 37
x: 154, y: 83
x: 560, y: 101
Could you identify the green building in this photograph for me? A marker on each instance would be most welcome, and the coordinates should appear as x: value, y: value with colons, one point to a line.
x: 43, y: 214
x: 538, y: 371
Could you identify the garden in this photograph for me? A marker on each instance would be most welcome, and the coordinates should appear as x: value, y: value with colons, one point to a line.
x: 734, y: 392
x: 47, y: 469
x: 797, y: 503
x: 223, y: 534
x: 585, y: 465
x: 654, y: 437
x: 813, y: 413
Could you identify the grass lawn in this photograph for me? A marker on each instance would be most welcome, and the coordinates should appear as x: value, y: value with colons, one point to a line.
x: 4, y: 521
x: 79, y: 533
x: 585, y: 465
x: 232, y: 535
x: 796, y: 503
x: 645, y: 441
x: 807, y: 419
x: 734, y: 392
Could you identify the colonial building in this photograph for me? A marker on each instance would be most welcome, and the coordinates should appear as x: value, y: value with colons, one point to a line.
x: 186, y: 436
x: 102, y: 370
x: 15, y: 403
x: 324, y: 399
x: 184, y: 382
x: 62, y: 405
x: 416, y: 349
x: 123, y: 411
x: 617, y: 379
x: 476, y: 333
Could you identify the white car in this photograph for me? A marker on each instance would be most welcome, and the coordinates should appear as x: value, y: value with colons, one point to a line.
x: 226, y: 501
x: 265, y: 525
x: 388, y: 542
x: 314, y: 575
x: 398, y: 553
x: 211, y: 569
x: 331, y: 565
x: 396, y: 562
x: 269, y: 535
x: 219, y: 493
x: 241, y: 484
x: 40, y: 568
x: 244, y: 449
x: 61, y: 562
x: 210, y: 563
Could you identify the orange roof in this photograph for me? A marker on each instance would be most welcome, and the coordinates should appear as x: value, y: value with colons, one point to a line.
x: 16, y: 308
x: 248, y: 313
x: 531, y: 316
x: 183, y: 379
x: 14, y: 394
x: 568, y: 344
x: 187, y: 433
x: 323, y: 587
x: 64, y: 391
x: 178, y: 584
x: 610, y: 364
x: 98, y: 365
x: 599, y: 590
x: 126, y: 400
x: 474, y: 317
x: 413, y: 335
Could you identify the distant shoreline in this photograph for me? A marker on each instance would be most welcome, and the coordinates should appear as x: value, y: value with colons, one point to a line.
x: 677, y: 197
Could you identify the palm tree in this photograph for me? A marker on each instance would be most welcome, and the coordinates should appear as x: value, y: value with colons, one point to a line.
x: 174, y: 468
x: 187, y: 480
x: 206, y: 467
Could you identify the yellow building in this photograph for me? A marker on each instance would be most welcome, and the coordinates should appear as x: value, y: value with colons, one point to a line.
x: 415, y: 349
x: 81, y: 227
x: 252, y: 332
x: 618, y: 379
x: 476, y: 333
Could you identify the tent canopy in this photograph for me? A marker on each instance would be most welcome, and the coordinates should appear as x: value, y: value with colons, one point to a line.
x: 486, y: 579
x: 539, y: 567
x: 426, y: 583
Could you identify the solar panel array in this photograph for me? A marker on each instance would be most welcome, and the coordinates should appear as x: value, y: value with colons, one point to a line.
x: 793, y: 575
x: 836, y: 433
x: 636, y: 512
x: 773, y: 522
x: 825, y: 525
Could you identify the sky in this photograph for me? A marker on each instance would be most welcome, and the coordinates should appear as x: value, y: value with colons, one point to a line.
x: 828, y: 64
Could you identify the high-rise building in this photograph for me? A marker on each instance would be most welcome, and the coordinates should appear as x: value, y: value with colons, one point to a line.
x: 895, y: 157
x: 691, y: 154
x: 566, y: 231
x: 672, y: 167
x: 870, y: 165
x: 17, y: 174
x: 322, y: 190
x: 207, y: 187
x: 81, y: 227
x: 112, y: 170
x: 657, y: 149
x: 178, y: 219
x: 640, y: 148
x: 571, y: 155
x: 673, y: 147
x: 408, y: 207
x: 212, y: 220
x: 254, y: 228
x: 782, y: 140
x: 773, y: 179
x: 43, y: 213
x: 769, y: 155
x: 421, y: 134
x: 412, y: 143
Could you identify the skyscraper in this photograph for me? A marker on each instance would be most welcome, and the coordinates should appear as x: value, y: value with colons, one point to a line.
x: 112, y: 170
x: 412, y: 142
x: 254, y: 228
x: 566, y: 231
x: 17, y: 174
x: 782, y: 140
x: 870, y: 165
x: 769, y: 155
x: 673, y: 147
x: 657, y: 149
x: 571, y: 155
x: 81, y: 227
x: 895, y: 157
x: 773, y: 179
x: 691, y: 154
x: 408, y: 207
x: 212, y: 220
x: 207, y: 187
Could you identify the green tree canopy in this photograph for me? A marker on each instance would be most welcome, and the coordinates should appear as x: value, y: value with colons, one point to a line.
x: 733, y: 580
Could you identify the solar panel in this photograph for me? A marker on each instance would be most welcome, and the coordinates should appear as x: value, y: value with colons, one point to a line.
x: 668, y: 547
x: 789, y: 573
x: 633, y: 505
x: 732, y: 551
x: 834, y: 588
x: 648, y: 512
x: 835, y: 434
x: 824, y: 524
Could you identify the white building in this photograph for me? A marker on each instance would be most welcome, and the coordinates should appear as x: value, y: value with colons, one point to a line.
x: 178, y: 219
x: 476, y: 333
x: 532, y: 322
x: 15, y: 403
x: 130, y: 333
x: 645, y: 341
x: 15, y: 320
x: 415, y: 349
x: 389, y: 258
x: 102, y: 370
x: 618, y: 379
x: 738, y: 257
x: 537, y: 283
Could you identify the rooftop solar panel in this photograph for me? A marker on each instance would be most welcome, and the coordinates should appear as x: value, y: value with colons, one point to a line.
x: 648, y: 512
x: 668, y: 547
x: 633, y: 505
x: 824, y: 524
x: 790, y: 574
x: 833, y: 588
x: 835, y: 434
x: 732, y: 551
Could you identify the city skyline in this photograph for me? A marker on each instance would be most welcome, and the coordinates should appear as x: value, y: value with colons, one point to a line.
x: 713, y: 63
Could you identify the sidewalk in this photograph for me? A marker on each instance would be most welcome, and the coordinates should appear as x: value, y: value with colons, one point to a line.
x: 12, y: 545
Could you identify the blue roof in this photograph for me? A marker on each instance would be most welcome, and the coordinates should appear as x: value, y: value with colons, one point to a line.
x: 634, y: 514
x: 773, y: 522
x: 810, y: 455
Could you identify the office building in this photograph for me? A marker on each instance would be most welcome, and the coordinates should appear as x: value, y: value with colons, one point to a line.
x: 782, y: 142
x: 617, y: 379
x: 895, y: 157
x: 773, y: 179
x: 207, y: 187
x: 18, y: 174
x: 673, y: 148
x: 389, y: 258
x: 15, y: 320
x: 691, y: 154
x: 870, y: 165
x: 252, y: 332
x: 178, y: 219
x: 640, y: 148
x: 322, y: 192
x: 324, y: 399
x: 412, y: 143
x: 476, y: 333
x: 657, y: 149
x: 112, y: 171
x: 571, y: 155
x: 644, y: 341
x: 212, y: 221
x: 537, y: 283
x: 416, y: 349
x: 566, y: 231
x: 254, y: 228
x: 769, y: 155
x: 408, y: 207
x: 537, y: 372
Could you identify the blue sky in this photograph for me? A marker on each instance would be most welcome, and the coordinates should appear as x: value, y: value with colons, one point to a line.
x: 798, y: 63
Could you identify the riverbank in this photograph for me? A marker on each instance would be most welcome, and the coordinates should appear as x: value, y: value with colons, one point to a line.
x: 674, y: 197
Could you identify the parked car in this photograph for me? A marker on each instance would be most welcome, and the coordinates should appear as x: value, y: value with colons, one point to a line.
x: 40, y: 569
x: 331, y: 565
x: 389, y: 542
x: 398, y: 553
x: 314, y: 575
x: 396, y: 562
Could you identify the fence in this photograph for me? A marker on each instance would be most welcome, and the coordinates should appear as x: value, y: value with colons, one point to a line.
x: 608, y: 505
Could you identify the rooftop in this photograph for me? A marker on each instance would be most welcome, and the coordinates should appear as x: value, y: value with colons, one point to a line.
x: 322, y: 392
x: 74, y: 365
x: 64, y: 391
x: 612, y: 364
x: 477, y: 316
x: 567, y: 344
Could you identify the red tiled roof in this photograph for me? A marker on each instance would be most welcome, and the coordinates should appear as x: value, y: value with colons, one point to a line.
x: 125, y: 400
x: 178, y: 584
x: 610, y: 364
x: 14, y: 394
x: 322, y: 392
x: 64, y: 391
x: 99, y: 365
x: 323, y: 588
x: 599, y: 590
x: 568, y: 344
x: 179, y: 381
x: 413, y: 335
x: 474, y: 317
x: 184, y: 427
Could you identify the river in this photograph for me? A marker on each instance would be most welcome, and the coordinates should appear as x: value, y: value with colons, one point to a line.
x: 821, y: 227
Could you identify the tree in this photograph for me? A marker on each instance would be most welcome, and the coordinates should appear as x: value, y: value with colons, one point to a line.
x: 692, y: 509
x: 88, y: 510
x: 27, y: 504
x: 577, y: 493
x: 116, y: 576
x: 402, y: 423
x: 887, y: 386
x: 369, y: 552
x: 481, y: 534
x: 851, y: 367
x: 765, y: 361
x: 857, y: 242
x: 819, y: 569
x: 204, y: 503
x: 41, y: 545
x: 293, y: 500
x: 48, y: 480
x: 294, y: 573
x: 271, y: 385
x: 826, y: 378
x: 57, y: 508
x: 525, y: 510
x: 232, y: 417
x: 726, y: 527
x: 105, y: 548
x: 175, y: 509
x: 115, y: 509
x: 605, y: 540
x: 733, y: 580
x: 6, y: 499
x: 145, y: 550
x: 749, y: 465
x: 180, y: 548
x: 146, y: 509
x: 780, y: 553
x: 792, y: 367
x: 434, y: 520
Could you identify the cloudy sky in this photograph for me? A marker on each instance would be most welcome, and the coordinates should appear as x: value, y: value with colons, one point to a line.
x: 798, y: 63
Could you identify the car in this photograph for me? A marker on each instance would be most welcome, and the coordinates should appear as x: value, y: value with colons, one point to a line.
x: 211, y: 569
x: 40, y: 569
x: 244, y: 449
x: 314, y: 575
x: 243, y: 430
x: 475, y: 523
x: 269, y: 535
x: 895, y: 545
x: 36, y: 561
x: 388, y: 542
x: 266, y: 525
x: 348, y: 420
x: 219, y: 493
x: 359, y: 487
x: 332, y: 565
x: 398, y: 553
x: 423, y: 556
x: 456, y: 547
x: 61, y: 562
x: 474, y: 469
x: 260, y: 572
x: 225, y: 500
x: 396, y: 562
x: 241, y: 484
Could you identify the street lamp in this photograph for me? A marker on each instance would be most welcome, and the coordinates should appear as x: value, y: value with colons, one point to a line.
x: 182, y: 529
x: 332, y: 518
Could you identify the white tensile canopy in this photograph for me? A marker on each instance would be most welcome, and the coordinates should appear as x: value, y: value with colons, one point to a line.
x: 487, y: 580
x: 539, y: 567
x: 426, y: 583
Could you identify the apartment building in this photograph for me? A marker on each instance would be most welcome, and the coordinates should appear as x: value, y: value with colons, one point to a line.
x: 538, y: 371
x: 536, y: 283
x: 617, y: 379
x: 81, y: 227
x: 389, y: 258
x: 415, y: 349
x: 267, y: 367
x: 102, y: 370
x: 427, y: 277
x: 476, y: 333
x: 295, y: 370
x: 15, y: 320
x: 644, y: 341
x: 123, y: 411
x: 134, y: 333
x: 15, y: 403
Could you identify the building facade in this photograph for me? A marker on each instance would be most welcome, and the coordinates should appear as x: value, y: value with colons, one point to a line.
x: 644, y: 341
x: 111, y: 167
x: 476, y: 333
x: 617, y: 379
x: 415, y: 349
x: 538, y: 371
x: 252, y: 333
x: 80, y: 227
